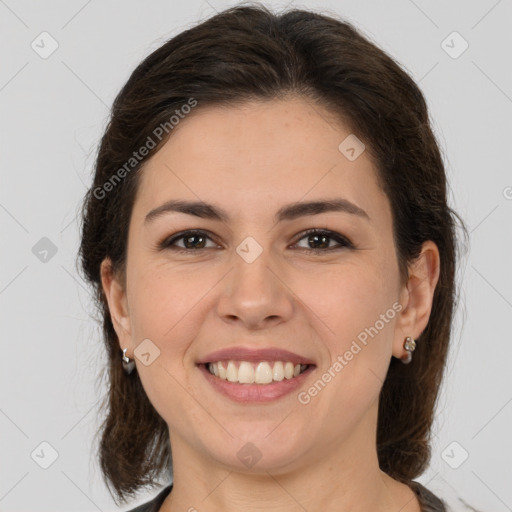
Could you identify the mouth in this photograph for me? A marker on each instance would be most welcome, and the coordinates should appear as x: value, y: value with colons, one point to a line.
x: 248, y: 375
x: 262, y: 372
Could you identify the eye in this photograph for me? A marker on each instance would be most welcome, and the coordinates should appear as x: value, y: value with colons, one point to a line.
x: 192, y: 240
x: 322, y: 239
x: 195, y: 240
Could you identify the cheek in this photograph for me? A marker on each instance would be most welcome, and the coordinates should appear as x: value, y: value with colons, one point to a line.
x: 162, y: 296
x: 355, y: 307
x: 347, y: 300
x: 166, y: 389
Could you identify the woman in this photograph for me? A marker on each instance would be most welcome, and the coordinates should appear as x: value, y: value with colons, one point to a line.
x: 269, y: 239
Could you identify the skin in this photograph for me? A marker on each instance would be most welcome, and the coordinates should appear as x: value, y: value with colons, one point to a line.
x: 252, y: 159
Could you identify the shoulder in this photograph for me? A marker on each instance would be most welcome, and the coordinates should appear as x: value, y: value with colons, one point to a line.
x: 431, y: 503
x: 154, y: 504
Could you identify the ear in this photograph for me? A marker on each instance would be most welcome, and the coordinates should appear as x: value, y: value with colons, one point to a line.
x: 416, y: 296
x: 118, y: 305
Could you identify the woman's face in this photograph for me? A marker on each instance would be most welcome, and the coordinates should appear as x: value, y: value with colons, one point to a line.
x: 252, y: 284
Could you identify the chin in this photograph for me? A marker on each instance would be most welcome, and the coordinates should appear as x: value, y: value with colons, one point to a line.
x: 262, y: 449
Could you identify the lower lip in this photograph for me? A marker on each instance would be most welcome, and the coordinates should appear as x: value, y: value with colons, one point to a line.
x: 255, y: 393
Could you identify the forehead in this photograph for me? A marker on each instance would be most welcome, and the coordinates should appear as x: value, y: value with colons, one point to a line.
x: 257, y: 154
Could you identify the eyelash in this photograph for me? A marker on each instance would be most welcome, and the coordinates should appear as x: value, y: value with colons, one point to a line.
x: 345, y: 242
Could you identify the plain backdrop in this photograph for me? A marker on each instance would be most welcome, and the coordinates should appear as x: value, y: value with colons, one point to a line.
x: 54, y: 108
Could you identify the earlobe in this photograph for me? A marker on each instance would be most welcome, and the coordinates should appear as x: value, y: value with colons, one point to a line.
x: 117, y: 303
x: 417, y: 296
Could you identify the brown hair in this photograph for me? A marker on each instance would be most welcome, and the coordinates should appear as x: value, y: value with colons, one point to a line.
x: 245, y: 53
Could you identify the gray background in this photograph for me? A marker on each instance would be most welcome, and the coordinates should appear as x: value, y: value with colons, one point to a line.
x: 53, y: 111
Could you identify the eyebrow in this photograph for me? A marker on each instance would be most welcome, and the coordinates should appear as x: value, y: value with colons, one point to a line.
x: 287, y: 212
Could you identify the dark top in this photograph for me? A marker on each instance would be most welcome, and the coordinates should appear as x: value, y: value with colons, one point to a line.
x: 429, y: 502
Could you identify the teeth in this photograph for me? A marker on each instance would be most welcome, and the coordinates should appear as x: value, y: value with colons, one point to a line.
x: 245, y: 373
x: 263, y: 372
x: 232, y: 372
x: 288, y: 370
x: 278, y: 371
x: 222, y: 371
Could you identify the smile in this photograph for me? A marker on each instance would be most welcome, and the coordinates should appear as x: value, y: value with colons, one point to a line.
x: 255, y: 375
x: 249, y: 372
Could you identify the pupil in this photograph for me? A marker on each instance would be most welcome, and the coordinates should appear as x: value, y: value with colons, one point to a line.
x: 323, y: 239
x: 192, y: 245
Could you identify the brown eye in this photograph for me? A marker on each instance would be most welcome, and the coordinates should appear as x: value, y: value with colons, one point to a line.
x: 319, y: 240
x: 192, y: 241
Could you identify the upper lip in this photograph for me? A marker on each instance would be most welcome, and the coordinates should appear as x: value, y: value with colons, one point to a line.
x: 252, y: 354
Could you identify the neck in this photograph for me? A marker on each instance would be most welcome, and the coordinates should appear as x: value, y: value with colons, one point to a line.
x: 347, y: 478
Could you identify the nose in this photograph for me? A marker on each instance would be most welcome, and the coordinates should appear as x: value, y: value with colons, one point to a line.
x: 255, y: 293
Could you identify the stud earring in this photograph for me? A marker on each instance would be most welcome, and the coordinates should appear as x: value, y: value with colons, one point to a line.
x: 128, y: 364
x: 409, y: 345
